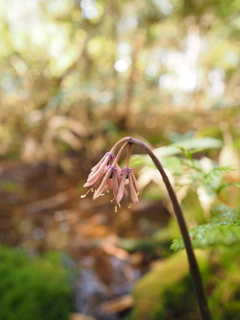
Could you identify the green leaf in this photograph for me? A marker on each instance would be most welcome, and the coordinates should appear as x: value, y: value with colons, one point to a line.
x: 189, y: 153
x: 177, y: 147
x: 226, y: 185
x: 140, y: 160
x: 222, y: 229
x: 220, y: 170
x: 224, y: 213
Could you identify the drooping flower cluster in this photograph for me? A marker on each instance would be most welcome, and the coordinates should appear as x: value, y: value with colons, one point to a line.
x: 107, y: 175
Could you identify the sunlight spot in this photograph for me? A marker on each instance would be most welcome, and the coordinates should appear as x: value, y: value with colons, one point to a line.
x: 131, y: 22
x: 124, y: 48
x: 187, y: 81
x: 216, y: 75
x: 165, y: 7
x: 167, y: 81
x: 89, y: 9
x: 152, y: 70
x: 105, y: 96
x: 89, y: 13
x: 122, y: 65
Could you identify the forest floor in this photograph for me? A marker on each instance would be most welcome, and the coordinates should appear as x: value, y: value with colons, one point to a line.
x: 41, y: 210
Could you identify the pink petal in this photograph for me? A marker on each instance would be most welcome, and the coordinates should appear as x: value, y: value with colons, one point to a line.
x: 104, y: 184
x: 95, y: 178
x: 104, y: 159
x: 135, y: 182
x: 109, y: 184
x: 125, y: 191
x: 121, y: 186
x: 101, y: 167
x: 132, y: 189
x: 118, y: 169
x: 115, y: 182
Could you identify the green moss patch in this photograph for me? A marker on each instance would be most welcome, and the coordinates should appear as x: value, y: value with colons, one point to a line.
x: 32, y: 288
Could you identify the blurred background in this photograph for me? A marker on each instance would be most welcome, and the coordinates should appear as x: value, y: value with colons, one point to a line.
x: 76, y: 76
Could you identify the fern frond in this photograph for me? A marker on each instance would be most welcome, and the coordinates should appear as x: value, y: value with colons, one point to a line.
x: 217, y: 171
x: 226, y: 185
x: 222, y: 229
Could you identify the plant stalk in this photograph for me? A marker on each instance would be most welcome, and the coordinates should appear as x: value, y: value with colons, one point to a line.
x: 194, y: 269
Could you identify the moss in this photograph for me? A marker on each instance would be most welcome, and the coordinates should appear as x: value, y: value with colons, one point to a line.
x: 225, y: 300
x: 166, y: 292
x: 32, y: 288
x: 130, y: 316
x: 163, y: 292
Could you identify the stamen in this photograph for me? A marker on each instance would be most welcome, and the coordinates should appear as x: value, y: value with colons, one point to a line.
x: 84, y: 195
x: 115, y: 208
x: 130, y: 206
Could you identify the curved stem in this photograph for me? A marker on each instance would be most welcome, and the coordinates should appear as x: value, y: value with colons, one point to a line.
x: 118, y: 143
x: 128, y: 155
x: 195, y: 273
x: 119, y: 153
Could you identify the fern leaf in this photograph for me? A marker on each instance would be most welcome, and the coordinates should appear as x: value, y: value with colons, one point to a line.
x: 222, y: 229
x: 226, y: 185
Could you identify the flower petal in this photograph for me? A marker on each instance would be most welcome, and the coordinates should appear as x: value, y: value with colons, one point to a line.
x: 95, y: 178
x: 121, y: 185
x: 99, y: 168
x: 135, y: 182
x: 104, y: 159
x: 115, y: 179
x: 106, y: 183
x: 132, y: 189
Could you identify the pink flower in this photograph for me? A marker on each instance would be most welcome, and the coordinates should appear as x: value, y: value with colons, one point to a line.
x: 104, y: 181
x: 107, y: 175
x: 127, y: 174
x: 99, y: 170
x: 109, y: 181
x: 106, y: 159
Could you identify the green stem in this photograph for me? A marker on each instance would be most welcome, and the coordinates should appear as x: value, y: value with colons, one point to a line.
x: 194, y: 269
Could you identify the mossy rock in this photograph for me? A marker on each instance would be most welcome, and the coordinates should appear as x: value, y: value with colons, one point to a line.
x: 225, y: 299
x: 166, y: 292
x: 33, y: 289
